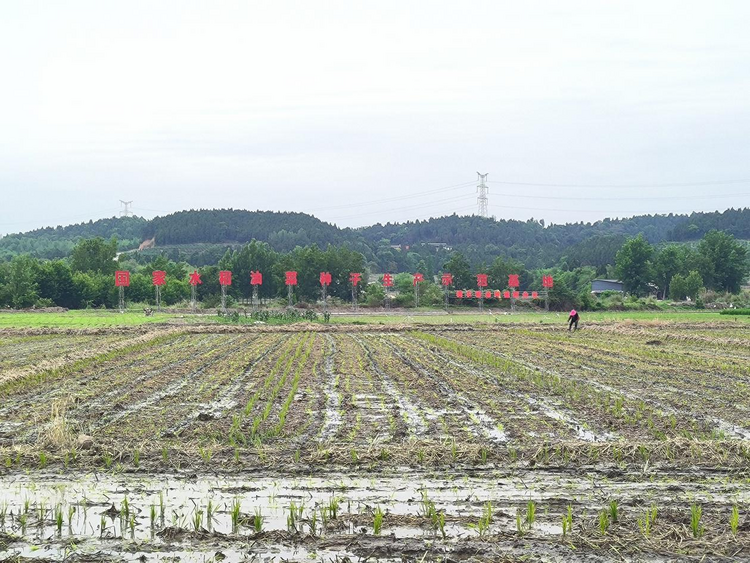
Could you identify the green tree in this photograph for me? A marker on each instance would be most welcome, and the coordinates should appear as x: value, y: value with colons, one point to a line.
x: 94, y: 255
x: 725, y: 261
x: 55, y: 281
x: 21, y: 284
x: 667, y: 262
x: 501, y: 268
x: 677, y: 287
x: 459, y: 267
x: 633, y: 265
x: 693, y: 285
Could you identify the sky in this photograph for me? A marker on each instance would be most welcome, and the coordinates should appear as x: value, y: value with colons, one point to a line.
x: 367, y: 112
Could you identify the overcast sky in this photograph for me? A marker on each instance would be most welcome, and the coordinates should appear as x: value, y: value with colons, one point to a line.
x: 365, y: 112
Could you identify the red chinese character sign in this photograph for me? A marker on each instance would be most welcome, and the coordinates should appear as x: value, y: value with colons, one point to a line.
x: 159, y: 278
x: 387, y: 284
x: 513, y: 280
x: 325, y: 281
x: 122, y: 280
x: 481, y: 283
x: 446, y: 280
x: 418, y: 278
x: 354, y: 279
x: 225, y: 280
x: 547, y: 283
x: 256, y: 280
x: 194, y: 281
x: 290, y: 279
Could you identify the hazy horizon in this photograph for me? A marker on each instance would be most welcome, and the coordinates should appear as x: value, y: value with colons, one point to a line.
x: 360, y: 114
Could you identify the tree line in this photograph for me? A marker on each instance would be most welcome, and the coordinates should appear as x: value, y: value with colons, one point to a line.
x: 85, y: 278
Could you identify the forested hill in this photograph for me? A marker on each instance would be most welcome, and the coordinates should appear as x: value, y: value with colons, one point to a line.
x: 480, y: 239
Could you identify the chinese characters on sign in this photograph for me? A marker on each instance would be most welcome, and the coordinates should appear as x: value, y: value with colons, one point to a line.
x: 418, y: 278
x: 256, y: 278
x: 447, y: 279
x: 513, y: 280
x: 290, y: 278
x: 387, y: 280
x: 547, y: 281
x: 325, y: 279
x: 195, y: 278
x: 225, y: 277
x: 159, y: 277
x: 481, y: 280
x: 355, y: 278
x: 122, y: 278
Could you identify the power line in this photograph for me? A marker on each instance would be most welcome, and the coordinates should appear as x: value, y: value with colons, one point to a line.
x: 670, y: 197
x: 407, y: 208
x: 666, y: 185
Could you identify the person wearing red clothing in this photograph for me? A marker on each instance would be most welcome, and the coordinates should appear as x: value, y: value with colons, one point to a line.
x: 573, y: 320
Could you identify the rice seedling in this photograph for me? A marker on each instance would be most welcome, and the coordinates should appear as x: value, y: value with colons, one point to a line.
x: 152, y: 514
x: 59, y: 518
x: 295, y: 515
x: 567, y: 521
x: 333, y: 507
x: 696, y: 514
x: 165, y: 454
x: 314, y: 522
x: 378, y: 521
x: 132, y: 525
x: 530, y: 514
x: 102, y: 525
x: 483, y: 524
x: 22, y: 519
x: 136, y: 458
x: 210, y: 512
x: 236, y: 455
x: 520, y: 528
x: 3, y: 513
x: 603, y: 522
x: 43, y: 460
x: 354, y: 456
x: 107, y: 458
x: 483, y: 455
x: 258, y: 521
x: 235, y: 514
x: 8, y: 463
x: 734, y: 520
x: 125, y: 508
x: 613, y: 511
x: 206, y: 454
x: 42, y: 511
x: 197, y: 519
x: 646, y: 522
x: 71, y: 512
x: 161, y: 505
x: 439, y: 524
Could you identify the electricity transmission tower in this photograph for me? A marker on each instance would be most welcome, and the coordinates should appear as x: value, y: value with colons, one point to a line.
x: 126, y: 209
x: 482, y: 197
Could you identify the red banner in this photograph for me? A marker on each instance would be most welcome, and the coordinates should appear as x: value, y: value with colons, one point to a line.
x: 159, y: 277
x: 290, y: 278
x: 225, y: 277
x: 122, y: 278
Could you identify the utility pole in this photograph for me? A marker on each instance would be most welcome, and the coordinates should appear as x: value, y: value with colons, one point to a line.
x: 126, y: 209
x: 482, y: 197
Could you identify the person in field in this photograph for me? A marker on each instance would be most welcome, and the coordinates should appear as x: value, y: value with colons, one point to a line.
x: 573, y: 320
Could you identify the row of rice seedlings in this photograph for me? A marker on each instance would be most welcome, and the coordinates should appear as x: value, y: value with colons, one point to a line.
x: 263, y: 416
x: 552, y: 383
x: 293, y: 390
x: 525, y: 522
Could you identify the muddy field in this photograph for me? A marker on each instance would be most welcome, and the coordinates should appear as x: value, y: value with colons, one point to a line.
x: 497, y: 443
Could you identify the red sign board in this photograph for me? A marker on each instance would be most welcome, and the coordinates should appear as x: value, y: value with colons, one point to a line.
x: 159, y: 277
x: 525, y: 294
x: 195, y: 278
x: 535, y: 295
x: 506, y: 294
x: 418, y: 278
x: 481, y: 280
x: 122, y: 278
x: 355, y: 278
x: 547, y: 281
x: 256, y: 278
x: 515, y: 295
x: 498, y: 294
x: 513, y: 280
x: 469, y: 293
x: 460, y: 294
x: 290, y: 278
x: 387, y: 280
x: 325, y: 278
x: 447, y: 279
x: 225, y: 277
x: 487, y: 294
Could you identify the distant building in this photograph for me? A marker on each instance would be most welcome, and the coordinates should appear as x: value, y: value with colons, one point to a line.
x: 600, y: 286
